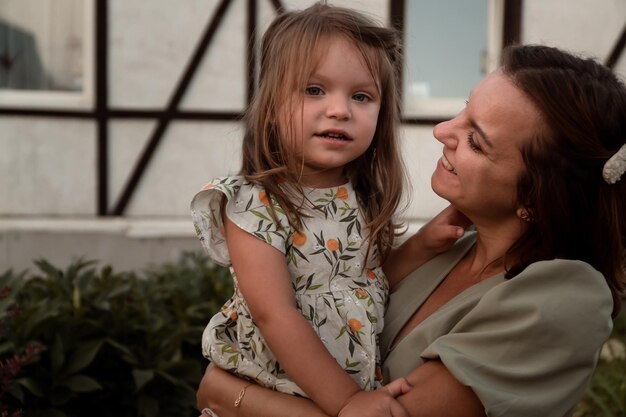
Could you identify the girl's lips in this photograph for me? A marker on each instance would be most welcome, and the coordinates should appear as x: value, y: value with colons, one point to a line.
x: 338, y: 135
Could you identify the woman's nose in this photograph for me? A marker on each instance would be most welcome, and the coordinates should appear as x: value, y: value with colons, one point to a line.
x: 338, y: 107
x: 445, y: 133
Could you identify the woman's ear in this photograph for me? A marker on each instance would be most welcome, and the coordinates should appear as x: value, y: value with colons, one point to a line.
x: 524, y: 214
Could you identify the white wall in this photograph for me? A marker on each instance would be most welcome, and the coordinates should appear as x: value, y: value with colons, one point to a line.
x: 588, y: 27
x: 48, y: 169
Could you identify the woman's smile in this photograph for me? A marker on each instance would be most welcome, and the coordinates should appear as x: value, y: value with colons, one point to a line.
x: 447, y: 165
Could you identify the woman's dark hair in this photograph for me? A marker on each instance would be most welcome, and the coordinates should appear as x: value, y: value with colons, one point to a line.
x: 574, y: 213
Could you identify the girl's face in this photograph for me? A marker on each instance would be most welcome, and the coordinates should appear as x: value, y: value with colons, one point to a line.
x: 481, y: 160
x: 332, y: 122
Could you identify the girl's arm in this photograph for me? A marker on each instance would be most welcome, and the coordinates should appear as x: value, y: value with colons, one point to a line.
x: 437, y: 236
x: 265, y: 284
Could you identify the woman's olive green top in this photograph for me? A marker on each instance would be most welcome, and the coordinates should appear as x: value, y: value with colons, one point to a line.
x: 527, y: 346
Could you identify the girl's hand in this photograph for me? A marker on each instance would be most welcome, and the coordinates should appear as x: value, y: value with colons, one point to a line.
x: 379, y: 403
x: 440, y: 233
x: 437, y: 236
x: 398, y: 387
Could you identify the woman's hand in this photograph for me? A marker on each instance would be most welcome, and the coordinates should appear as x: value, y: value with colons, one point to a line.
x: 206, y: 394
x: 379, y: 403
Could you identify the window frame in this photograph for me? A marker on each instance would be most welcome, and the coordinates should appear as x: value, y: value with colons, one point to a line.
x: 437, y: 109
x: 49, y: 99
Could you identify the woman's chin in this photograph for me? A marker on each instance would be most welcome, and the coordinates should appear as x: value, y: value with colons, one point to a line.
x: 438, y: 188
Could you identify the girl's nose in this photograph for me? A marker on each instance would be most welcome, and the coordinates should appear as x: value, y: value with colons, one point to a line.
x: 338, y: 108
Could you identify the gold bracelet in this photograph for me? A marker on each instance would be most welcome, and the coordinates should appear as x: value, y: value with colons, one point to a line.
x: 241, y: 394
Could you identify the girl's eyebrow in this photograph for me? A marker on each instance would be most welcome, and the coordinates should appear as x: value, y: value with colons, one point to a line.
x: 370, y: 83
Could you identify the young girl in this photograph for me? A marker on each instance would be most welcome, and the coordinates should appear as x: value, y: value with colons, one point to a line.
x: 307, y: 223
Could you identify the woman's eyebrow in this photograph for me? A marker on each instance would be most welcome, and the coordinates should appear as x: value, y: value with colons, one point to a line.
x: 481, y: 132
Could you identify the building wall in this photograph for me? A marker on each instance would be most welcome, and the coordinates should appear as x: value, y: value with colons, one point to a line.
x: 48, y: 176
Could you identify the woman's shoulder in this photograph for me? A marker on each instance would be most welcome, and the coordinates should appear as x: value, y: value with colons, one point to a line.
x: 562, y: 274
x: 557, y: 290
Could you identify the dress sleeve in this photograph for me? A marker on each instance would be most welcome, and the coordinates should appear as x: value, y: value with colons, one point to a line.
x: 530, y: 345
x: 246, y: 205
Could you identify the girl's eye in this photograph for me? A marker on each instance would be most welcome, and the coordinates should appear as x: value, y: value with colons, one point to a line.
x: 313, y: 91
x: 361, y: 97
x: 472, y: 143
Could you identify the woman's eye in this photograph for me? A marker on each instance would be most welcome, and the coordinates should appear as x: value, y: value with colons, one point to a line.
x: 313, y: 91
x: 472, y: 143
x: 361, y: 97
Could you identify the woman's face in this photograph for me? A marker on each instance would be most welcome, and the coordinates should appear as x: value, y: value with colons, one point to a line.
x: 481, y: 160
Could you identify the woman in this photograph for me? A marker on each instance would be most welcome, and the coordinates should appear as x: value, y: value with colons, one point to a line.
x: 509, y: 321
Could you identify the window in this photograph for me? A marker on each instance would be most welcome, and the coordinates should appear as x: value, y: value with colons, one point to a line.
x: 449, y: 46
x: 46, y: 53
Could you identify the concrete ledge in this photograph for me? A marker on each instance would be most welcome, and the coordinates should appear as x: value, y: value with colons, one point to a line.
x: 165, y: 227
x: 124, y: 243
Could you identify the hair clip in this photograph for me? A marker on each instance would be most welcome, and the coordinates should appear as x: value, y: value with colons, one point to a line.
x: 615, y: 167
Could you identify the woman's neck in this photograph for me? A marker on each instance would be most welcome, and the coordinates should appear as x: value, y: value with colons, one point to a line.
x: 489, y: 255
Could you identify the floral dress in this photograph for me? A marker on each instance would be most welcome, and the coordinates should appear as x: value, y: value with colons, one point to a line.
x: 342, y: 300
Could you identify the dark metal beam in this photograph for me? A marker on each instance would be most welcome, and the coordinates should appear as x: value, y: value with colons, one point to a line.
x: 617, y: 50
x: 278, y: 6
x: 175, y: 115
x: 72, y: 114
x: 252, y: 12
x: 101, y: 107
x: 422, y: 121
x: 397, y: 13
x: 121, y: 114
x: 512, y: 25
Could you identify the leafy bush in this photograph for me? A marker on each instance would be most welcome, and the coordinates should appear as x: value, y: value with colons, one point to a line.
x: 108, y: 344
x: 606, y: 396
x: 89, y: 341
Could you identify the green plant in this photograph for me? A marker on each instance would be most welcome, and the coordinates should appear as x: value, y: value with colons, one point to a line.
x: 11, y: 367
x: 116, y: 344
x: 606, y: 395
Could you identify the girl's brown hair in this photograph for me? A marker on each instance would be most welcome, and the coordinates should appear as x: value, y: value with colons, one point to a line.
x: 574, y: 213
x: 291, y: 49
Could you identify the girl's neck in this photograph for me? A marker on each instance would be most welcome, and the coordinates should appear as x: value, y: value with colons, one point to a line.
x: 321, y: 181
